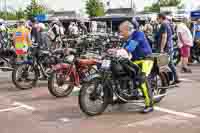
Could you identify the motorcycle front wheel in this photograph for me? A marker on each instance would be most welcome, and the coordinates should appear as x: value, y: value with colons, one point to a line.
x: 93, y: 100
x: 25, y: 76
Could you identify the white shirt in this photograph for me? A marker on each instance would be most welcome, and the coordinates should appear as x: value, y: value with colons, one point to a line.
x: 186, y: 35
x: 75, y: 30
x: 62, y: 30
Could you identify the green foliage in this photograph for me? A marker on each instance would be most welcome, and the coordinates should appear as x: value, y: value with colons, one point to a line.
x: 20, y: 14
x: 8, y: 15
x: 94, y: 8
x: 155, y: 7
x: 181, y: 6
x: 34, y: 9
x: 31, y: 11
x: 169, y: 2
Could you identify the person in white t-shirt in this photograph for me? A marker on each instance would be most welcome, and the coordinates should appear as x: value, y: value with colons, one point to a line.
x: 185, y: 42
x: 73, y: 29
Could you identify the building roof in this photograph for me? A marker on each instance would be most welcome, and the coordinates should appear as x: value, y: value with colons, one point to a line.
x: 66, y: 16
x: 120, y: 11
x: 65, y: 13
x: 112, y: 18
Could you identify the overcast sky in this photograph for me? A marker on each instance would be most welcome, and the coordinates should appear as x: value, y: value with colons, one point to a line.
x: 79, y: 4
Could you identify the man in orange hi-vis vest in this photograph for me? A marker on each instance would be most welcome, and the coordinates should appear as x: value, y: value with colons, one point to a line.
x: 21, y: 41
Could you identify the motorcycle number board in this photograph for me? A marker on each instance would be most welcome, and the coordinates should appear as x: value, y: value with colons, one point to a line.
x: 105, y: 64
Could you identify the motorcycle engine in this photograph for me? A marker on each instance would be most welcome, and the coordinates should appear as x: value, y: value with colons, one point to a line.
x: 127, y: 89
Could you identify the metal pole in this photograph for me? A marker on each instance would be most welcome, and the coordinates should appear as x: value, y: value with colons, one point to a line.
x: 111, y: 26
x: 5, y: 9
x: 0, y: 6
x: 131, y: 4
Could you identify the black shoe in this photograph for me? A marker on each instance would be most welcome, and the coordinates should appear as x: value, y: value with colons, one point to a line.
x: 147, y: 110
x: 186, y: 70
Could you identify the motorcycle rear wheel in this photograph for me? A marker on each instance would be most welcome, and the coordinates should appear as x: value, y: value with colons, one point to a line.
x: 32, y: 81
x: 57, y: 91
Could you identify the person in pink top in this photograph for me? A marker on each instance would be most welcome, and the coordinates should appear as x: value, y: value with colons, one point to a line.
x: 185, y: 42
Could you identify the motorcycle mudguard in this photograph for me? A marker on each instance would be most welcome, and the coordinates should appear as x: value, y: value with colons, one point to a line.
x: 71, y: 72
x: 107, y: 87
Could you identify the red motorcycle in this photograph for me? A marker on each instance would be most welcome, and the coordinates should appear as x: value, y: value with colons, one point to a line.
x: 66, y: 76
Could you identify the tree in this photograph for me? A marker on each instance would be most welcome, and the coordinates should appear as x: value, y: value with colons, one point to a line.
x: 34, y: 9
x: 8, y: 15
x: 169, y: 2
x: 181, y: 6
x: 155, y: 7
x: 94, y: 8
x: 20, y: 14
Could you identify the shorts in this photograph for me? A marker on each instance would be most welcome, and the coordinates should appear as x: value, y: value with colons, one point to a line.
x: 185, y: 51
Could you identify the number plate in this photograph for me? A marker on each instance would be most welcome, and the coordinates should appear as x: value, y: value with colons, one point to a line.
x: 105, y: 64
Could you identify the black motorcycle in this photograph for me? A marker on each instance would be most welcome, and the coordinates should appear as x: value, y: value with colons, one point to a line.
x: 36, y: 67
x: 120, y: 79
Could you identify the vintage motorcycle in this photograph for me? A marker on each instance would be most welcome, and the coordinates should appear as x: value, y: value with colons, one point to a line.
x: 120, y: 79
x: 70, y: 74
x: 36, y: 67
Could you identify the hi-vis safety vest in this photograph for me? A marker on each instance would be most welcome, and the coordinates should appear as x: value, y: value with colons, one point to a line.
x: 21, y: 42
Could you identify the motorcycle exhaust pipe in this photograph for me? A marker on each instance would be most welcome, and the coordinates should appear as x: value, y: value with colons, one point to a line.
x: 140, y: 101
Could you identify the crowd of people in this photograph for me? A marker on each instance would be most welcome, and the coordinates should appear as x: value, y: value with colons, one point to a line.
x: 180, y: 32
x: 137, y: 42
x: 139, y: 46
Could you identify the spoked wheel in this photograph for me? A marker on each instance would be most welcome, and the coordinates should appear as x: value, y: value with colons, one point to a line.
x: 25, y: 76
x: 93, y: 100
x: 158, y: 84
x: 60, y: 85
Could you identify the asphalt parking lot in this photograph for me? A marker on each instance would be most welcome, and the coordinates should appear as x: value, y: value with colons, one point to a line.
x: 36, y: 111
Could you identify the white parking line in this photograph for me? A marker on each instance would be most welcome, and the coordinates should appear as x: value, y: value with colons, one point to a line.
x: 18, y: 106
x: 10, y: 109
x: 182, y: 114
x: 65, y: 120
x: 24, y: 106
x: 185, y: 79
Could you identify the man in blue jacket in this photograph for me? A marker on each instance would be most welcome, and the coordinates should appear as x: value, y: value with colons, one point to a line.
x: 140, y: 49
